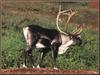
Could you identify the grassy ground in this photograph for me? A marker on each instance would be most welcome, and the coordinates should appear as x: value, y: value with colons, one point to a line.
x: 16, y: 15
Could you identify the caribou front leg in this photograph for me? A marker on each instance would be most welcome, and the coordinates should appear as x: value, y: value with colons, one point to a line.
x: 54, y: 54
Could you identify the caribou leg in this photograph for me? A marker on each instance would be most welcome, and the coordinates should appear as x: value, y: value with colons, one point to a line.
x: 26, y: 54
x: 54, y: 54
x: 42, y: 55
x: 31, y: 58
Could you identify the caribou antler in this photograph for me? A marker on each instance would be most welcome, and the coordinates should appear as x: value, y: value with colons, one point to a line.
x: 69, y: 13
x: 78, y: 29
x: 74, y: 31
x: 57, y: 19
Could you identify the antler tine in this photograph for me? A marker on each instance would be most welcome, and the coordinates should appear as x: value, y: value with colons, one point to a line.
x: 65, y: 12
x: 75, y: 30
x: 81, y: 29
x: 57, y: 20
x: 69, y: 13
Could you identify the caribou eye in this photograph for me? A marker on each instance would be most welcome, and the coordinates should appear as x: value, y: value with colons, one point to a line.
x: 71, y: 37
x: 79, y: 42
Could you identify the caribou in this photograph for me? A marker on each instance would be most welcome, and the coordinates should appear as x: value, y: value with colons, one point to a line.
x: 44, y: 39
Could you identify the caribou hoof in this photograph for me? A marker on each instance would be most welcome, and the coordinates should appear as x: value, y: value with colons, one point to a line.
x: 55, y: 68
x: 38, y: 66
x: 33, y: 66
x: 24, y: 66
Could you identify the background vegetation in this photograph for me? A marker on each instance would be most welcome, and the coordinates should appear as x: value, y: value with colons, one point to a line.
x: 16, y: 15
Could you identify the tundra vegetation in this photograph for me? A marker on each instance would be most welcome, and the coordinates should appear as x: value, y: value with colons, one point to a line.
x: 16, y: 15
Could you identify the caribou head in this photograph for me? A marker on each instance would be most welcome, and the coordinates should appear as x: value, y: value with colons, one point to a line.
x: 68, y: 38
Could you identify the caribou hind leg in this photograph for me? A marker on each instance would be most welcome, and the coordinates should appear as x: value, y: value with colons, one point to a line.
x: 26, y: 53
x: 30, y: 44
x: 42, y: 55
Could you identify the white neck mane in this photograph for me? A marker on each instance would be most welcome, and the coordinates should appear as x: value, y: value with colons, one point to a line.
x: 66, y: 42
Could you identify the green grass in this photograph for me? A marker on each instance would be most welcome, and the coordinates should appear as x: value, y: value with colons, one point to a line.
x: 83, y: 57
x: 11, y: 48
